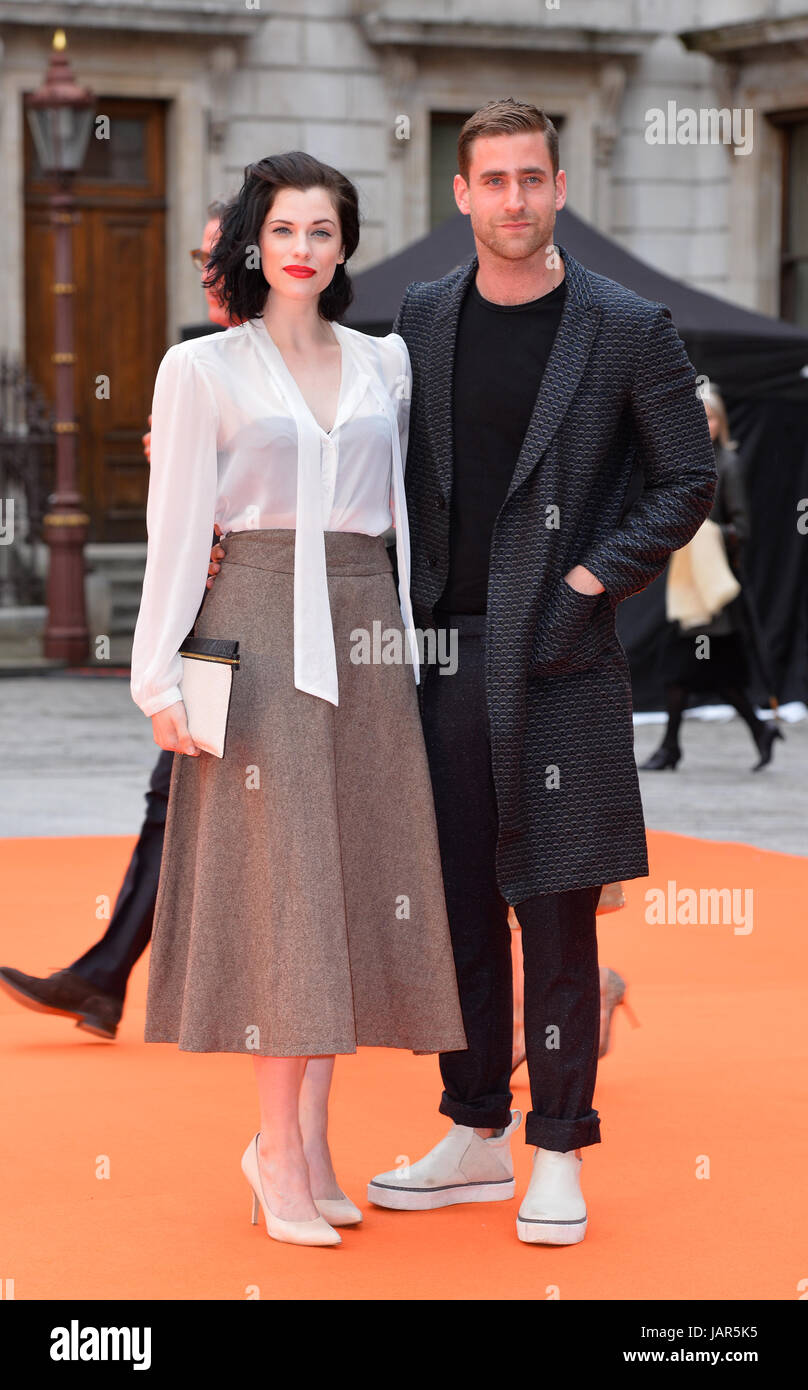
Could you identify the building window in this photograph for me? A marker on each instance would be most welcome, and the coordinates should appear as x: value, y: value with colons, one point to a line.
x: 445, y: 128
x: 118, y: 159
x: 794, y: 252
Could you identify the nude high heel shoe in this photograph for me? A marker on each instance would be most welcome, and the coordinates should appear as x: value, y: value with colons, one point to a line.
x: 314, y: 1232
x: 338, y: 1211
x: 612, y: 994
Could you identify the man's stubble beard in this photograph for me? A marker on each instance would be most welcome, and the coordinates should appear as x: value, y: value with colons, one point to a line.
x: 506, y: 246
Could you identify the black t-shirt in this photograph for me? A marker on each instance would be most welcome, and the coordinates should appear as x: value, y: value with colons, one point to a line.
x: 500, y: 356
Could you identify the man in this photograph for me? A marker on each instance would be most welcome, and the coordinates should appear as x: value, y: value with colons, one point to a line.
x: 93, y: 988
x: 539, y: 391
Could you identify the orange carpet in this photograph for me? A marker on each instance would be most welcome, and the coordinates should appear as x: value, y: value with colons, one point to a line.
x: 120, y: 1160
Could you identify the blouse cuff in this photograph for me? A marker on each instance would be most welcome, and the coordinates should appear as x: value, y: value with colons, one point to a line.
x: 158, y: 702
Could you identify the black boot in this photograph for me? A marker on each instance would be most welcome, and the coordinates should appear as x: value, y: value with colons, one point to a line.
x: 765, y: 740
x: 666, y: 755
x: 68, y: 994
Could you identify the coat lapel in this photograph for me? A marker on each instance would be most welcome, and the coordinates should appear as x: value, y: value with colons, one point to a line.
x: 439, y: 374
x: 578, y: 325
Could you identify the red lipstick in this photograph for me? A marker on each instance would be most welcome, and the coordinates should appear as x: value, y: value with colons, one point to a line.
x: 300, y: 272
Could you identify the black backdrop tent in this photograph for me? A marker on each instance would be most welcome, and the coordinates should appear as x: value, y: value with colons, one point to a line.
x: 759, y: 364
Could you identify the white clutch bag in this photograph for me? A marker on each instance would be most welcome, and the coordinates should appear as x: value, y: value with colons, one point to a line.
x: 208, y: 664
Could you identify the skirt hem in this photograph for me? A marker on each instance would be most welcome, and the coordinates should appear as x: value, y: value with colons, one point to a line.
x: 315, y: 1052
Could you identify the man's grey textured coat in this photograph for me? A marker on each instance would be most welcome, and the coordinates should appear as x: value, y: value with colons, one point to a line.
x: 618, y: 391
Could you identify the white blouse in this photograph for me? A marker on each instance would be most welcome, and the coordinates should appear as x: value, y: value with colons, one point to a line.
x: 233, y: 441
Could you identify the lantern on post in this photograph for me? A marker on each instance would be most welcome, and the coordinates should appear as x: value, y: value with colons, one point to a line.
x: 60, y: 116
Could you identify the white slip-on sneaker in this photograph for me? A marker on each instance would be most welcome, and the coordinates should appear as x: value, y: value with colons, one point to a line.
x: 553, y: 1211
x: 462, y: 1167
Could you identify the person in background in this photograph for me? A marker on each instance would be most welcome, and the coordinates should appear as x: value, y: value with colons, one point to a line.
x: 726, y: 669
x: 92, y: 990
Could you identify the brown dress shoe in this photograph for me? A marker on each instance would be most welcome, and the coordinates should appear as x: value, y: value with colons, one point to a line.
x: 67, y: 994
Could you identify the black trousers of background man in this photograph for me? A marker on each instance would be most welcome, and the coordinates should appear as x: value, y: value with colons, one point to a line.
x: 109, y: 962
x: 559, y: 943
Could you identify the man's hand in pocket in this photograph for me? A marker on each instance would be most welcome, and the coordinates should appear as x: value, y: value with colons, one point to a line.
x: 583, y: 580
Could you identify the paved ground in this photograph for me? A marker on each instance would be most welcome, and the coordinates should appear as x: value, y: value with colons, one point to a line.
x: 77, y: 754
x: 714, y: 795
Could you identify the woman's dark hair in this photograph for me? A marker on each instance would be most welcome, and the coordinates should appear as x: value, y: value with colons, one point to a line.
x: 240, y: 283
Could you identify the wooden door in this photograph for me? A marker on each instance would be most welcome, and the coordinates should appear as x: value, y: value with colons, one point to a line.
x: 120, y: 306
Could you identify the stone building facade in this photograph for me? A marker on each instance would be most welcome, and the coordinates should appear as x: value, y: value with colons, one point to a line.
x: 379, y: 88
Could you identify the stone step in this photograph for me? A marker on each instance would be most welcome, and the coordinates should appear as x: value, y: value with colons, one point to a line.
x: 117, y: 579
x: 129, y: 575
x: 115, y: 553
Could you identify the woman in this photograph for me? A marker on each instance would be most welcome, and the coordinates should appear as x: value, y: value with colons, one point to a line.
x: 726, y: 670
x: 300, y: 911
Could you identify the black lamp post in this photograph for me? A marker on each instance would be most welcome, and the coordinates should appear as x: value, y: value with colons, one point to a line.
x: 60, y: 114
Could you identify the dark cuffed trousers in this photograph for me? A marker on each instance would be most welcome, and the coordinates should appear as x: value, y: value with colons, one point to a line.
x: 109, y: 962
x: 559, y: 942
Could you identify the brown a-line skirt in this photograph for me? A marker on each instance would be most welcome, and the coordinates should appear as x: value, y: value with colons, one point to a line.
x: 300, y: 908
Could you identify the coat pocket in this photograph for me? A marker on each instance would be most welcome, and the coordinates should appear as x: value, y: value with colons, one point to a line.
x: 573, y: 632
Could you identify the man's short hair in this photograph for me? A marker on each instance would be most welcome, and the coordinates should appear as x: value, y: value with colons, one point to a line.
x: 505, y: 117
